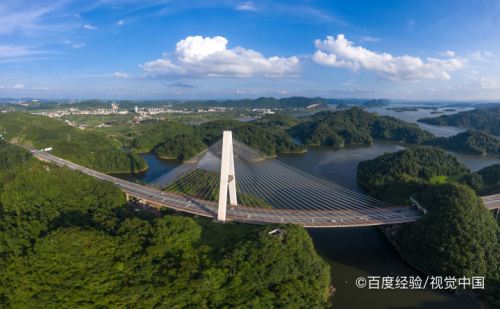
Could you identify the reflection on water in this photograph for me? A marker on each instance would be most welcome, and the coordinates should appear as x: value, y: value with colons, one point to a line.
x: 475, y: 162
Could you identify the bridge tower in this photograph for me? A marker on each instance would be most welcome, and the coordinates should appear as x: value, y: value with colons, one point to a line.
x: 227, y: 176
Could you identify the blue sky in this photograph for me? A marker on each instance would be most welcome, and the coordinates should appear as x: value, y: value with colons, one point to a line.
x: 166, y: 49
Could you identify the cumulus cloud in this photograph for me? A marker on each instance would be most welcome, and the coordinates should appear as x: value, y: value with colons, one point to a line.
x: 119, y: 74
x: 340, y: 52
x: 205, y: 56
x: 246, y: 6
x: 120, y: 23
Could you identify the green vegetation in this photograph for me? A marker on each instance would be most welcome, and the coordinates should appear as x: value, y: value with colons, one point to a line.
x: 257, y: 135
x: 181, y: 147
x: 67, y: 240
x: 485, y: 181
x: 172, y: 139
x: 458, y: 236
x: 355, y: 126
x: 145, y: 137
x: 277, y: 121
x: 395, y: 176
x: 11, y: 155
x: 482, y: 119
x: 90, y: 149
x: 471, y: 141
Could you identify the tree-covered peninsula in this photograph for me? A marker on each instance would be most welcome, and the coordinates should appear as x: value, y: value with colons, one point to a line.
x: 481, y: 119
x: 355, y: 126
x: 68, y: 240
x: 395, y: 176
x: 457, y: 236
x: 471, y: 141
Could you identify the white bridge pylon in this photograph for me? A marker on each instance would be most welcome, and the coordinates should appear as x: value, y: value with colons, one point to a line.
x: 227, y: 176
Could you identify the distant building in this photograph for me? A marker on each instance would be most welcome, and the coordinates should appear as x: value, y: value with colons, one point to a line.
x: 115, y: 105
x: 136, y: 110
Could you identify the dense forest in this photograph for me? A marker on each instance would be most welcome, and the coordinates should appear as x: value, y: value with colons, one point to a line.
x: 171, y: 139
x: 458, y: 236
x: 471, y: 141
x: 481, y: 119
x: 68, y: 240
x: 87, y: 148
x: 180, y: 147
x: 395, y: 176
x: 486, y: 181
x: 259, y: 135
x: 355, y: 126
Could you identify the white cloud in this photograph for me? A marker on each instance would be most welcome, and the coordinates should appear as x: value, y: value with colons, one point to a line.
x: 74, y: 45
x: 120, y: 23
x: 205, y: 56
x: 89, y: 27
x: 77, y: 45
x: 480, y: 55
x: 15, y: 86
x: 489, y: 83
x: 28, y: 18
x: 342, y: 53
x: 448, y: 53
x: 246, y: 6
x: 13, y: 51
x: 119, y: 74
x: 368, y: 38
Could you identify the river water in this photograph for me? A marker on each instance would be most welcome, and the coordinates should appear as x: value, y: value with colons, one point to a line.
x: 355, y: 252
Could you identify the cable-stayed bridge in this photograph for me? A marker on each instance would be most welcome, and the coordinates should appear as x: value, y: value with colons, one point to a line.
x: 234, y: 182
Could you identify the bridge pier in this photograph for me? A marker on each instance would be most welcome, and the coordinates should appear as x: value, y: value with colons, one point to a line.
x: 227, y: 176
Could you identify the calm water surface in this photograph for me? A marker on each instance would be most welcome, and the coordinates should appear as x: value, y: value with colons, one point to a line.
x: 413, y: 116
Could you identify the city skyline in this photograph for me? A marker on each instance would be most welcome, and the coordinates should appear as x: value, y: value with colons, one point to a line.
x: 126, y: 49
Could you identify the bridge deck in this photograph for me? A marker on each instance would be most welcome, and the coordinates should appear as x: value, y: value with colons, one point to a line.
x: 306, y: 218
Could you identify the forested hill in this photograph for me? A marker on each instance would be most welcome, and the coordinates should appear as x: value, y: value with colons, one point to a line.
x: 175, y: 140
x: 482, y: 119
x: 471, y: 141
x: 396, y: 176
x: 356, y: 126
x: 457, y: 236
x: 68, y: 240
x: 486, y: 181
x: 89, y: 149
